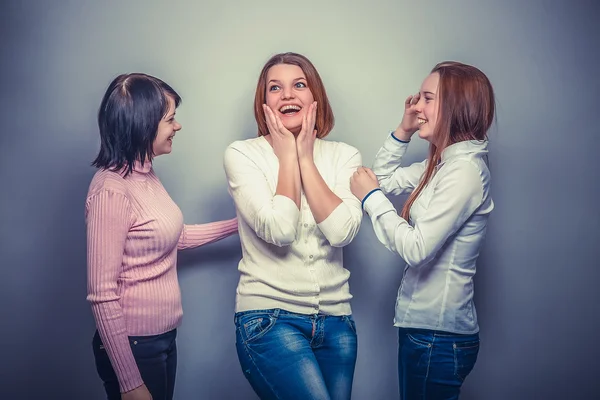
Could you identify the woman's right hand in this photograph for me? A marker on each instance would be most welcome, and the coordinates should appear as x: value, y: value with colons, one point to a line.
x: 140, y: 393
x: 410, y: 123
x: 284, y: 142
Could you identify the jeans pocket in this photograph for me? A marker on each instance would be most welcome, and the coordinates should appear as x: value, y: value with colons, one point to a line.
x: 465, y: 356
x: 350, y: 322
x: 142, y: 340
x: 255, y: 326
x: 152, y: 347
x: 415, y: 352
x: 420, y: 339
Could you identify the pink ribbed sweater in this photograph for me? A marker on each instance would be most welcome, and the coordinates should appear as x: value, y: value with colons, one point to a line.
x: 134, y: 230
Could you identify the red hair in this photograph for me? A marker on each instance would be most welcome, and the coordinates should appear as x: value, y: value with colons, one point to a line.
x: 466, y: 112
x: 325, y: 120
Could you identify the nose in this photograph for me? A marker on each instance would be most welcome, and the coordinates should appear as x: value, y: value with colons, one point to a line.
x: 176, y: 126
x: 420, y: 104
x: 287, y: 93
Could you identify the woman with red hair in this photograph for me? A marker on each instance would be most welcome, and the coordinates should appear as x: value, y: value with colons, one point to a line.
x: 441, y: 228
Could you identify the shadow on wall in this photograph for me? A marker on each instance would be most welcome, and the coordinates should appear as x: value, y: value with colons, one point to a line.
x: 56, y: 322
x: 206, y: 340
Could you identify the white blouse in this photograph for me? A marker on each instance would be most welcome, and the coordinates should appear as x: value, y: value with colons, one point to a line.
x: 442, y: 241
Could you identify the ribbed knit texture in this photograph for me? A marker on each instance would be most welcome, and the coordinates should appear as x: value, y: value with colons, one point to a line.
x: 134, y: 230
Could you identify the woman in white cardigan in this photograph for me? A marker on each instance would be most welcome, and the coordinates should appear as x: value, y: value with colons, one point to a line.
x: 296, y: 338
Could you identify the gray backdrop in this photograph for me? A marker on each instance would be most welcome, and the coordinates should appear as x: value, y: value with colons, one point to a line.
x: 536, y: 288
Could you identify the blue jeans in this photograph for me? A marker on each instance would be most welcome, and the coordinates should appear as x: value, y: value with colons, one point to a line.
x: 290, y: 356
x: 432, y: 365
x: 156, y: 358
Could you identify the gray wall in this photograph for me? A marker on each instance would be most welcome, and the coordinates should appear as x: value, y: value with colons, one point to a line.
x: 536, y: 288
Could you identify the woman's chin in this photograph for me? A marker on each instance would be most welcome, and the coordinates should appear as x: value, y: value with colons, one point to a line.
x: 294, y: 128
x: 424, y: 135
x: 293, y: 123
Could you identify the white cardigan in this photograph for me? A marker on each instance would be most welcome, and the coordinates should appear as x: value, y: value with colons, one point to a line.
x: 288, y: 260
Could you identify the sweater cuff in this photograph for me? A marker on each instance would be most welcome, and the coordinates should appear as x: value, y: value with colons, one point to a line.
x: 338, y: 219
x: 286, y: 206
x: 394, y: 144
x: 398, y: 140
x: 362, y: 203
x: 377, y: 203
x: 117, y: 348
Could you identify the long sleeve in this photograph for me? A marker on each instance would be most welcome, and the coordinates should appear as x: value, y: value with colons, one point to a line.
x: 201, y: 234
x: 394, y: 179
x: 108, y: 217
x: 342, y: 225
x: 456, y: 196
x: 274, y: 218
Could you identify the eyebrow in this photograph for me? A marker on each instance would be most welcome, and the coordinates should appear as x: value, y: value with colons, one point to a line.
x: 431, y: 93
x: 278, y: 81
x: 169, y: 116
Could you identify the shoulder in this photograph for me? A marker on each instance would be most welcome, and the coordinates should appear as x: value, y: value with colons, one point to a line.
x: 337, y: 147
x: 464, y: 173
x: 469, y: 164
x: 249, y: 148
x: 339, y: 152
x: 243, y: 156
x: 107, y: 180
x: 246, y: 146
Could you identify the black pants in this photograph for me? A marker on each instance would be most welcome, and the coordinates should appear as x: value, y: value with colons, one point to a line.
x: 156, y: 358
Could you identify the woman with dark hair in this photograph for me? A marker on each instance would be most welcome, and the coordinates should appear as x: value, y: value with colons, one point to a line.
x: 441, y: 227
x: 295, y: 335
x: 134, y: 230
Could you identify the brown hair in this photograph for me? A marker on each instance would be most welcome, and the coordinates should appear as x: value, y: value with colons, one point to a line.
x: 128, y: 119
x: 466, y: 112
x: 325, y: 120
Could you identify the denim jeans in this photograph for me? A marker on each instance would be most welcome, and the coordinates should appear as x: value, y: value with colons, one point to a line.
x: 433, y: 365
x: 291, y: 356
x: 156, y: 358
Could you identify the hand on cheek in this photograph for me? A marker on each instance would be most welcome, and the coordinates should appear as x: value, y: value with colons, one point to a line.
x: 306, y: 139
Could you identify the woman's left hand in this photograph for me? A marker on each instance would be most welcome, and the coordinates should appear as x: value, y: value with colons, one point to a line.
x: 305, y: 142
x: 362, y: 182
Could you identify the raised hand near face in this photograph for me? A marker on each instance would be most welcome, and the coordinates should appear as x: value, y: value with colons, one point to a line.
x: 305, y: 141
x: 283, y: 141
x: 410, y: 123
